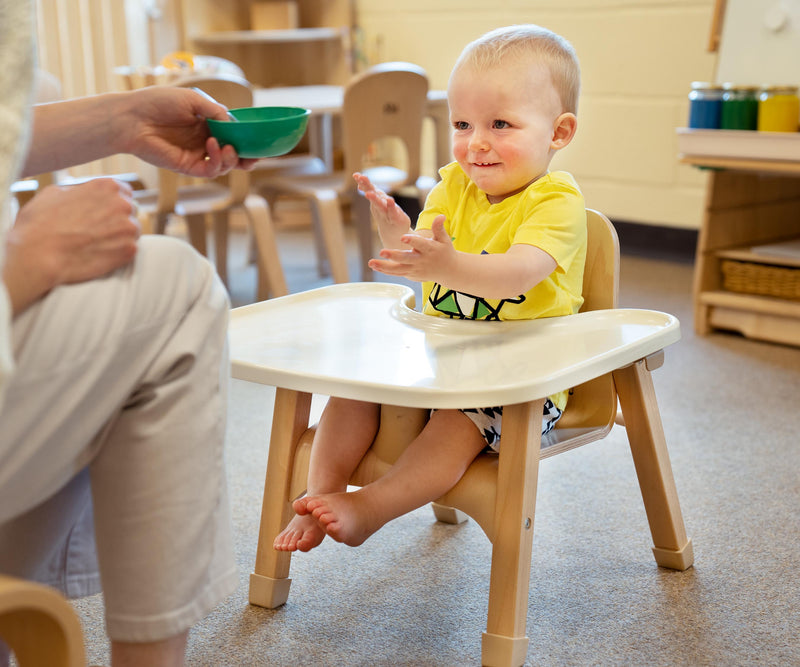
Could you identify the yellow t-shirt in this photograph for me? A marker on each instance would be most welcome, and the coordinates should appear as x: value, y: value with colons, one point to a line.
x: 549, y: 214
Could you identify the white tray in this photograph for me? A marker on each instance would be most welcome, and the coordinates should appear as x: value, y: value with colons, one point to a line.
x: 741, y: 144
x: 364, y: 341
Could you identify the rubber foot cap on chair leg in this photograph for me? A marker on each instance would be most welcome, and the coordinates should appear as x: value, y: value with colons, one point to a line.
x: 447, y: 514
x: 501, y: 651
x: 675, y: 559
x: 268, y: 592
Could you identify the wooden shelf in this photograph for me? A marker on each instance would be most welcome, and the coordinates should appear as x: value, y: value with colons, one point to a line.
x: 244, y: 37
x: 742, y: 164
x: 764, y: 305
x: 747, y: 255
x: 318, y: 51
x: 740, y: 144
x: 762, y: 318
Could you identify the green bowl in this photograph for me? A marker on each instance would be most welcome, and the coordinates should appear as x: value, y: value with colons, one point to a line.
x: 261, y: 131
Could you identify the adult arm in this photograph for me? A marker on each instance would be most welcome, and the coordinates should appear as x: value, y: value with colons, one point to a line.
x: 67, y: 235
x: 162, y: 125
x: 76, y: 233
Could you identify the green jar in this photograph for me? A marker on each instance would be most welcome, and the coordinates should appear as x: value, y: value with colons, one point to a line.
x: 739, y: 108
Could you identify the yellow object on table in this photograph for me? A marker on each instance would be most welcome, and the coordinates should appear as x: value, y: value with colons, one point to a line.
x: 178, y: 60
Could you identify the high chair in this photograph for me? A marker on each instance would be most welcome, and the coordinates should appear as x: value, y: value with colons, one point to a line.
x: 195, y: 200
x: 364, y: 341
x: 387, y: 101
x: 39, y: 625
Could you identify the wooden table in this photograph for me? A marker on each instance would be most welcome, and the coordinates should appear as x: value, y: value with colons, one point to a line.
x: 325, y: 103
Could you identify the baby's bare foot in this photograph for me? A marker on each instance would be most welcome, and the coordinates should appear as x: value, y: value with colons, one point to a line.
x: 346, y: 517
x: 302, y: 534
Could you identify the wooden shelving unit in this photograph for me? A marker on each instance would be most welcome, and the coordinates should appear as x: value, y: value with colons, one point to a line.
x: 318, y: 51
x: 750, y: 201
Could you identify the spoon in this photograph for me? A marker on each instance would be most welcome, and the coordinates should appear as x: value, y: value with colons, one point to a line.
x: 231, y: 117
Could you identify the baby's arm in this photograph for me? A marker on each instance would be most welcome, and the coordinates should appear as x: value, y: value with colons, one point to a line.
x: 393, y: 222
x: 492, y: 276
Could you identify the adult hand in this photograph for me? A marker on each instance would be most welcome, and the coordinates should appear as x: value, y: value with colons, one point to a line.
x: 69, y: 234
x: 425, y: 258
x: 166, y: 126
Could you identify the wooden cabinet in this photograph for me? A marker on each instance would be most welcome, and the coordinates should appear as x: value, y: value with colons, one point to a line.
x: 316, y: 47
x: 750, y: 202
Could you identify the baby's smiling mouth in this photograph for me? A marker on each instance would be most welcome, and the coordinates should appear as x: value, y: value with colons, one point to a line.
x: 484, y: 164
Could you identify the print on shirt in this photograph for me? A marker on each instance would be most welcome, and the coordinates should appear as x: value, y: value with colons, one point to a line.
x: 463, y: 306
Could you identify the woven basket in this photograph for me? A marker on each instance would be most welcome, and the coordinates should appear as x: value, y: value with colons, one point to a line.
x: 763, y: 279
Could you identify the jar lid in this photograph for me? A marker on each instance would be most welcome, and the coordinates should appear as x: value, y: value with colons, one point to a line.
x: 705, y: 85
x: 780, y: 90
x: 740, y: 88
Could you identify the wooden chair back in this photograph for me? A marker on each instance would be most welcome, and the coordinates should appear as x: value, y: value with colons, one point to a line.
x: 39, y: 625
x: 388, y: 100
x: 592, y: 406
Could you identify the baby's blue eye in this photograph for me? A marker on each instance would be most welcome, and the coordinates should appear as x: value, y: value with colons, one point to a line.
x: 461, y: 125
x: 500, y: 125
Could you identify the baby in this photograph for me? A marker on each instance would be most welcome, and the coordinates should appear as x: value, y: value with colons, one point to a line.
x: 501, y: 237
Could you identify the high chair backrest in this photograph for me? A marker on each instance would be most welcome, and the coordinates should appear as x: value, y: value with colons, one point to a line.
x: 601, y: 272
x: 592, y: 406
x: 388, y: 100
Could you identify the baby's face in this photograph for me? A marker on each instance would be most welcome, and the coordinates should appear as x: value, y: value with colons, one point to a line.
x: 503, y: 121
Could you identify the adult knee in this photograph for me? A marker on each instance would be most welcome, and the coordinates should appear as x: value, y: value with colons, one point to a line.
x: 172, y: 266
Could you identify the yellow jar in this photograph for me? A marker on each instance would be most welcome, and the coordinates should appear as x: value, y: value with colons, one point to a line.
x: 778, y: 109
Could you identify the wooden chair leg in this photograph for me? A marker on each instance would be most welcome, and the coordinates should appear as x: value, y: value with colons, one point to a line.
x: 327, y: 208
x: 505, y: 642
x: 363, y: 224
x: 219, y: 223
x: 269, y: 583
x: 650, y: 456
x: 39, y: 625
x: 196, y: 227
x: 271, y: 280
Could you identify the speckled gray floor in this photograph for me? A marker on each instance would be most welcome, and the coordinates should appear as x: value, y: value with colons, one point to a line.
x: 415, y: 594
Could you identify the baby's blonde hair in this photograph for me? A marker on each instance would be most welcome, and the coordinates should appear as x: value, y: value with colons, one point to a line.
x: 535, y: 43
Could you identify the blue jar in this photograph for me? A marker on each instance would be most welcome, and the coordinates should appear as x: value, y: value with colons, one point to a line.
x: 705, y: 106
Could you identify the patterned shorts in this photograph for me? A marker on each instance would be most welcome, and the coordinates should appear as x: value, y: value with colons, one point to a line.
x: 489, y: 420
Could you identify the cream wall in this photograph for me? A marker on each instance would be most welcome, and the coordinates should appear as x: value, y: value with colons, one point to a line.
x: 638, y: 58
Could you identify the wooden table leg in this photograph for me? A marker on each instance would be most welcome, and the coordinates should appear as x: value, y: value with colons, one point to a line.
x: 650, y: 456
x: 269, y: 583
x: 505, y: 642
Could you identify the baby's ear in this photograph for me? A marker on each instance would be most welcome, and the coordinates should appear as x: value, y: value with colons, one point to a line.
x: 563, y: 130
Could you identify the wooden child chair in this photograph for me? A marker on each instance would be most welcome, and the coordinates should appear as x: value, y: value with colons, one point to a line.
x: 399, y: 357
x: 39, y: 625
x: 386, y: 101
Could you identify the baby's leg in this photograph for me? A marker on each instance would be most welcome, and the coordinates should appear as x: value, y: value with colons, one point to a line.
x: 345, y: 432
x: 429, y: 467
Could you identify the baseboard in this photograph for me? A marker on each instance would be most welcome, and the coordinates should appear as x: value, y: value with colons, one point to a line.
x: 656, y: 241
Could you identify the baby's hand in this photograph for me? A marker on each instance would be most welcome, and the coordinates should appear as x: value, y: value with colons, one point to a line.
x: 422, y: 258
x: 392, y: 221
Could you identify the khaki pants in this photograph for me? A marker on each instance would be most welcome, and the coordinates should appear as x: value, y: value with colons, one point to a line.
x: 117, y: 409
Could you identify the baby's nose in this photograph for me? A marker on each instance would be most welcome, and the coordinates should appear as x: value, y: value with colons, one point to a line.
x: 478, y: 141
